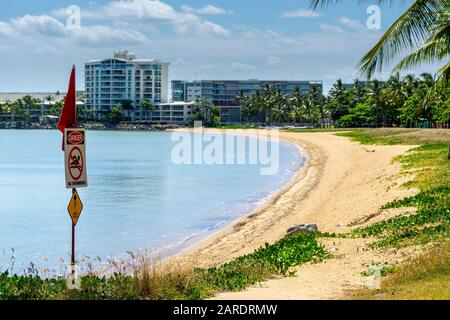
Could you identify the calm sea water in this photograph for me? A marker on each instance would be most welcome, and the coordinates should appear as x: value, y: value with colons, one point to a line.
x: 136, y: 199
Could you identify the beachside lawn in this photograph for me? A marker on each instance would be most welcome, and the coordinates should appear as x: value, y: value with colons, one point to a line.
x: 424, y: 277
x: 427, y: 276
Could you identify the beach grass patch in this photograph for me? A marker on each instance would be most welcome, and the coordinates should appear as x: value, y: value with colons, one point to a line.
x: 177, y: 282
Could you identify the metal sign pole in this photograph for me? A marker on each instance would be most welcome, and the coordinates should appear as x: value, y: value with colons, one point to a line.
x: 72, y: 260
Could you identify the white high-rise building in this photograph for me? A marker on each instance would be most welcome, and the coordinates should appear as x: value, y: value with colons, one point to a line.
x: 127, y: 80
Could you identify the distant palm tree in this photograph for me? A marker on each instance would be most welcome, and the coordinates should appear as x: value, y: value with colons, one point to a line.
x: 375, y: 94
x: 409, y: 84
x: 422, y: 32
x: 297, y: 113
x: 314, y: 106
x: 337, y: 88
x: 147, y: 106
x: 428, y: 85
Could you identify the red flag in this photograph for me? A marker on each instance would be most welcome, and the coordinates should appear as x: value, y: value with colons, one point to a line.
x: 68, y: 117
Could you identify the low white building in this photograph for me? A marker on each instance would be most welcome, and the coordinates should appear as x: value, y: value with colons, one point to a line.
x: 171, y: 112
x: 42, y: 104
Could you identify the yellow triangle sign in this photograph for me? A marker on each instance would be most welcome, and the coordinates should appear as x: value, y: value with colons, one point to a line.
x: 75, y: 207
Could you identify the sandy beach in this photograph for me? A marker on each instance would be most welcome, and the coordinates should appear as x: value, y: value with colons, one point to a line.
x: 343, y: 183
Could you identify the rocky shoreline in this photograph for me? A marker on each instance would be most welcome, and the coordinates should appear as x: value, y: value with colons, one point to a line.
x: 123, y: 126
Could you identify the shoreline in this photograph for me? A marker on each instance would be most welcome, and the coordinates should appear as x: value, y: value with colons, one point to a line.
x: 189, y: 252
x: 176, y: 250
x: 342, y: 182
x: 183, y: 248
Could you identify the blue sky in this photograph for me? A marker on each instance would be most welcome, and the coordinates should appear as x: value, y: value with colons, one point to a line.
x: 201, y: 39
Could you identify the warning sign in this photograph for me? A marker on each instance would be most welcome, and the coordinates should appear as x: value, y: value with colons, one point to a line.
x: 75, y: 207
x: 75, y: 158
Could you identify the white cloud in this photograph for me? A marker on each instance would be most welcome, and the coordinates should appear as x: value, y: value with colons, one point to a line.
x: 37, y: 27
x: 6, y: 29
x: 273, y: 39
x: 206, y: 10
x: 180, y: 62
x: 148, y: 11
x: 301, y: 13
x: 205, y: 67
x: 141, y: 9
x: 100, y: 35
x: 241, y: 67
x: 353, y: 24
x: 43, y: 24
x: 188, y: 23
x: 330, y: 28
x: 274, y: 61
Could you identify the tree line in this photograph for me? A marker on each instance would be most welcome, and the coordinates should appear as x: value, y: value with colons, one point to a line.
x: 27, y: 107
x: 408, y: 102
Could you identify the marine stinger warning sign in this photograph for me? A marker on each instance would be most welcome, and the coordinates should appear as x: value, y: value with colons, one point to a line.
x: 75, y: 158
x: 75, y: 207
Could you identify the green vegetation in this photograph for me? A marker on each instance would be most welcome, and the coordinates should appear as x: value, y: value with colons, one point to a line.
x: 392, y: 136
x: 406, y: 102
x: 115, y: 115
x: 237, y: 126
x: 21, y: 109
x: 206, y: 112
x: 431, y: 168
x: 424, y: 277
x: 174, y: 282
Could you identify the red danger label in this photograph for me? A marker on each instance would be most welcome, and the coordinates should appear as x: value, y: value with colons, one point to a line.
x: 75, y: 137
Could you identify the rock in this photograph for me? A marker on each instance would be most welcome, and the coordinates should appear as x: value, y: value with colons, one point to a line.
x: 298, y: 228
x: 333, y: 249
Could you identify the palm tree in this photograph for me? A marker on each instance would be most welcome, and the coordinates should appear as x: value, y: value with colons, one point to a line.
x: 409, y: 84
x: 339, y: 101
x: 206, y: 112
x: 314, y: 106
x: 337, y: 89
x: 147, y: 106
x: 375, y: 90
x: 426, y: 105
x: 265, y: 102
x: 358, y: 92
x: 422, y: 32
x: 279, y: 106
x: 18, y: 109
x: 6, y: 108
x: 297, y: 106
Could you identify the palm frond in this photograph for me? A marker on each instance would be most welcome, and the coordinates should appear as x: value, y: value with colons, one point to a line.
x: 409, y: 31
x: 430, y: 52
x: 444, y: 74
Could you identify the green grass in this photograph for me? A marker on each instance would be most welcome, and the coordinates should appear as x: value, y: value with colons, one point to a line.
x: 236, y: 126
x: 432, y: 219
x: 424, y: 277
x: 428, y: 276
x: 314, y: 130
x: 174, y: 282
x: 384, y: 136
